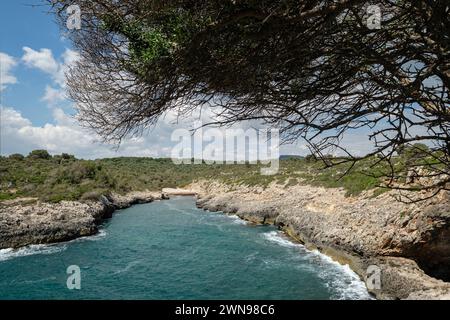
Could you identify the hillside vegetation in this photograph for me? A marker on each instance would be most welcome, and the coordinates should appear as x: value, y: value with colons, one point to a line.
x: 63, y: 177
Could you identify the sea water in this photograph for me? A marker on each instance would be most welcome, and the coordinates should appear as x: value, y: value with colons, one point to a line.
x: 172, y: 250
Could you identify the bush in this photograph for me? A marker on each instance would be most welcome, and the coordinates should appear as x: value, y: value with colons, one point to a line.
x: 78, y: 171
x: 16, y: 156
x: 310, y: 158
x: 39, y: 154
x: 67, y: 156
x: 291, y: 182
x: 91, y: 195
x: 63, y: 157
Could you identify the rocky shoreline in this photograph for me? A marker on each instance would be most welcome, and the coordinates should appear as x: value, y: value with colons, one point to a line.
x: 407, y: 242
x: 24, y: 223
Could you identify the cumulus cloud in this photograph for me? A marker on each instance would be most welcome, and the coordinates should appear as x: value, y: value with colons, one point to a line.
x: 46, y: 62
x: 6, y: 64
x: 69, y: 58
x: 42, y: 60
x: 19, y: 135
x: 53, y: 96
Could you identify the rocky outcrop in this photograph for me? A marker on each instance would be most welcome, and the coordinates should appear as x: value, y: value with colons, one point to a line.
x: 167, y: 192
x: 38, y: 223
x: 409, y: 243
x: 402, y: 278
x: 137, y: 197
x: 403, y: 240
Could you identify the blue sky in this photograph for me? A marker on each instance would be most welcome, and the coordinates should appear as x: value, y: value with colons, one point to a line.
x: 34, y: 112
x: 22, y: 24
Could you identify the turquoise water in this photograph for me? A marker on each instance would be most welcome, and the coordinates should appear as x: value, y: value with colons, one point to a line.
x: 172, y: 250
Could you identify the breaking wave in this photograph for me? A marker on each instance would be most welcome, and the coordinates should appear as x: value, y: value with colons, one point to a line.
x: 7, y: 254
x: 340, y: 279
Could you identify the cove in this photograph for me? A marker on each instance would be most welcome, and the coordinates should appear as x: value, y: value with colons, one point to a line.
x: 172, y: 250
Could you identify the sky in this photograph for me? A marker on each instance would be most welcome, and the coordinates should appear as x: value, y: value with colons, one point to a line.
x: 34, y: 110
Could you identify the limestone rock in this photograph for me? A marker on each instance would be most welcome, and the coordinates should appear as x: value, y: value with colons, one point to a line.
x: 361, y: 226
x: 39, y: 223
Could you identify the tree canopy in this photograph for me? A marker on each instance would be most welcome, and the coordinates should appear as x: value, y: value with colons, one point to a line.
x: 316, y: 69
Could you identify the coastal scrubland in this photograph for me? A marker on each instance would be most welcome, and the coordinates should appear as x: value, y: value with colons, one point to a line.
x: 52, y: 178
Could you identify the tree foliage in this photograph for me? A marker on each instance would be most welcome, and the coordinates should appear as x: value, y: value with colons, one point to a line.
x: 313, y: 68
x: 39, y: 154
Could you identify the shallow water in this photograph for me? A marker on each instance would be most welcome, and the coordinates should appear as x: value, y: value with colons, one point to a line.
x: 172, y: 250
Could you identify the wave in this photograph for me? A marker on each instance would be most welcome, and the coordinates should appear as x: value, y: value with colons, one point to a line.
x: 235, y: 219
x: 7, y: 254
x: 251, y: 257
x: 174, y: 208
x: 10, y: 253
x: 98, y: 236
x: 39, y: 280
x: 127, y: 267
x: 342, y: 281
x: 279, y: 238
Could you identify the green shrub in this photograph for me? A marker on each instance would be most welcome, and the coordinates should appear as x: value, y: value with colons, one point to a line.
x: 310, y: 158
x: 7, y: 196
x: 67, y: 156
x: 67, y: 178
x: 291, y: 182
x: 78, y: 171
x: 39, y: 154
x: 16, y: 156
x: 93, y: 195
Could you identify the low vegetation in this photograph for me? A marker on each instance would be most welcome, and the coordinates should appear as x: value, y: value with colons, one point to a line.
x: 63, y: 177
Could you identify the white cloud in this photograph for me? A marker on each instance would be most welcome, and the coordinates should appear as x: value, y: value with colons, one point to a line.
x: 70, y: 57
x: 42, y: 60
x: 12, y: 119
x: 6, y: 64
x: 45, y: 61
x: 19, y: 135
x: 52, y: 96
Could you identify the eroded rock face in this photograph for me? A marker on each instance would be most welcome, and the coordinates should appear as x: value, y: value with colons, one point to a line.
x: 125, y: 201
x: 40, y: 223
x: 46, y: 223
x: 433, y: 252
x: 364, y: 226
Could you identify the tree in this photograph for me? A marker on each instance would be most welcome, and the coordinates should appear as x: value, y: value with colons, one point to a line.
x: 67, y: 156
x: 16, y: 156
x: 316, y: 69
x: 39, y: 154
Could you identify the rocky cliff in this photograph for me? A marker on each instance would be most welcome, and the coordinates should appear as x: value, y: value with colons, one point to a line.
x: 22, y: 224
x: 410, y: 243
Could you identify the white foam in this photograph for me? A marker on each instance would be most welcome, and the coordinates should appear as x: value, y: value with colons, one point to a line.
x: 345, y: 284
x: 127, y: 267
x: 7, y: 254
x: 40, y: 280
x: 251, y: 257
x: 174, y: 208
x: 98, y: 236
x: 278, y: 238
x: 10, y: 253
x: 237, y: 220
